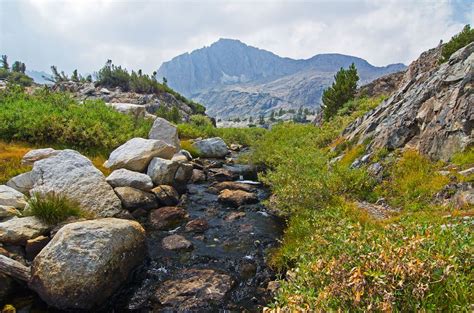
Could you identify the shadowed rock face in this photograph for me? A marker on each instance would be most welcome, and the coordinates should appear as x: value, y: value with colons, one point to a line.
x: 87, y: 261
x: 432, y: 111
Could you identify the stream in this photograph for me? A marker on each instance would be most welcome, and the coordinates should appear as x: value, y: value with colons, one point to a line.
x: 228, y: 259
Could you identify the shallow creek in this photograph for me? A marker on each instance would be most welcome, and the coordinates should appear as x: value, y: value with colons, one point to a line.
x: 234, y: 248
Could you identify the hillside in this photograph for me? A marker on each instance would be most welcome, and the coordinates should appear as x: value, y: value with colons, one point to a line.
x: 231, y: 74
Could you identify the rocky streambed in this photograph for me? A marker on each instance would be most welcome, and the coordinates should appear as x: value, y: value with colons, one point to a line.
x: 206, y: 249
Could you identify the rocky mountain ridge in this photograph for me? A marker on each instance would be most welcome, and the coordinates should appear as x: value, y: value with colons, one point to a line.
x: 431, y: 111
x: 233, y: 79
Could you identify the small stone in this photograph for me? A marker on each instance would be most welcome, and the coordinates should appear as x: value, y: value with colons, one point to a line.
x: 198, y: 176
x: 237, y: 198
x: 218, y: 187
x: 8, y: 212
x: 221, y: 174
x: 126, y: 178
x: 467, y: 172
x: 198, y: 225
x: 176, y: 242
x: 167, y: 217
x: 234, y: 216
x: 19, y: 230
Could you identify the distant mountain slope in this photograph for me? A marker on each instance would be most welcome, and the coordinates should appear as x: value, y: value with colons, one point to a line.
x: 231, y: 78
x: 38, y: 76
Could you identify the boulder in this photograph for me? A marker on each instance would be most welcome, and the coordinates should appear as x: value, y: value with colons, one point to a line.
x: 237, y: 198
x: 86, y: 262
x: 165, y: 131
x: 126, y: 178
x: 166, y: 195
x: 133, y: 198
x: 136, y: 154
x: 12, y: 197
x: 176, y: 242
x: 162, y: 171
x: 129, y: 108
x: 211, y: 148
x: 74, y: 176
x: 38, y: 154
x: 167, y: 217
x: 18, y: 230
x: 195, y: 290
x: 22, y: 183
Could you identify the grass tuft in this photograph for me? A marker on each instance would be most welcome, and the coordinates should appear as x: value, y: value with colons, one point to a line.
x: 53, y: 208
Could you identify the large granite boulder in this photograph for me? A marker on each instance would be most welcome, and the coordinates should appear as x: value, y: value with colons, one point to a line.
x: 18, y: 230
x: 85, y: 262
x: 126, y: 178
x: 12, y: 197
x: 165, y: 131
x: 38, y: 154
x: 432, y: 111
x: 22, y: 183
x: 136, y: 154
x: 71, y: 174
x: 211, y: 148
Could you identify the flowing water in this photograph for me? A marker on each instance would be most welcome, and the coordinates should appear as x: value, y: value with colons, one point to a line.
x: 236, y: 246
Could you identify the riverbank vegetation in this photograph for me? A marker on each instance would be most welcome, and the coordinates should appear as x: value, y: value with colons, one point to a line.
x: 336, y: 256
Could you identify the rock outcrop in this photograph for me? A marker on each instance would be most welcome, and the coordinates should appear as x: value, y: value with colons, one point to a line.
x: 72, y: 175
x: 86, y: 262
x: 136, y: 154
x: 432, y: 111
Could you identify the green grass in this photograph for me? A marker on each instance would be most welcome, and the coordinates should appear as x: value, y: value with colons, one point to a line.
x: 55, y: 119
x: 243, y: 136
x: 53, y: 209
x: 340, y: 258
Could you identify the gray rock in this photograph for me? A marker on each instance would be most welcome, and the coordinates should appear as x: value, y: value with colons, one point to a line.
x: 162, y: 171
x: 467, y: 172
x: 136, y: 199
x: 176, y: 242
x: 136, y: 154
x: 38, y: 154
x: 129, y: 108
x: 184, y: 173
x: 86, y: 262
x: 19, y: 230
x: 22, y: 183
x: 8, y: 212
x: 165, y: 131
x: 12, y: 197
x: 195, y: 290
x: 179, y: 157
x: 431, y: 111
x: 211, y: 148
x: 198, y: 176
x: 126, y: 178
x: 74, y: 176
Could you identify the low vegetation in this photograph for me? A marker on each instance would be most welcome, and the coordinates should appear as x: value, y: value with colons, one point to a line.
x: 10, y: 160
x: 201, y: 126
x: 53, y: 208
x: 465, y: 37
x: 335, y: 255
x: 47, y: 118
x: 15, y: 74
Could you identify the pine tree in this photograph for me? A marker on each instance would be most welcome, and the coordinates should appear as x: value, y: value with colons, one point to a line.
x: 342, y: 90
x: 75, y: 77
x: 4, y: 61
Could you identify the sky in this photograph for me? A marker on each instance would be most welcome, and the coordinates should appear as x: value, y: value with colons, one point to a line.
x: 141, y: 34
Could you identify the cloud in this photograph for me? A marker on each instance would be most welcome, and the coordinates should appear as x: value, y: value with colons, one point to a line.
x: 145, y: 33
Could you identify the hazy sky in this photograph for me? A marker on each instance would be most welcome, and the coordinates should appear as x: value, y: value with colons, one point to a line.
x: 83, y: 34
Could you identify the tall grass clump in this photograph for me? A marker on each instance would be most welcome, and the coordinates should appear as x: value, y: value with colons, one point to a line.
x: 57, y: 119
x: 53, y: 208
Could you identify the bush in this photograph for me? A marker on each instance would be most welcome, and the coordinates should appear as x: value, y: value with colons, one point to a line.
x: 53, y: 208
x: 58, y: 120
x: 465, y: 37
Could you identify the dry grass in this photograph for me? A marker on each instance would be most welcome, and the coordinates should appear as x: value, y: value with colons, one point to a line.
x: 10, y: 160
